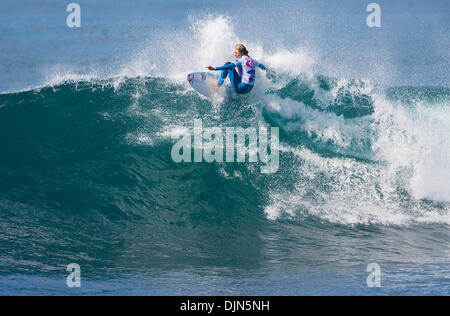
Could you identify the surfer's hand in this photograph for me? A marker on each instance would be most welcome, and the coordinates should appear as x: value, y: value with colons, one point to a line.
x: 211, y: 68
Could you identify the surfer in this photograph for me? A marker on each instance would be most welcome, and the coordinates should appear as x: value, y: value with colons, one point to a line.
x: 243, y: 79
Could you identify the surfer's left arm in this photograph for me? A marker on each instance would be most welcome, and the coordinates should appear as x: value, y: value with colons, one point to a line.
x: 262, y: 67
x: 258, y: 64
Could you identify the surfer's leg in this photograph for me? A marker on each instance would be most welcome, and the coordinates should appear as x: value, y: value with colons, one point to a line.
x: 235, y: 79
x: 223, y: 76
x: 244, y: 88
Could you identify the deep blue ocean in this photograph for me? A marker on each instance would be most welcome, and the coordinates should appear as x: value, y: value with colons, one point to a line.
x: 89, y: 116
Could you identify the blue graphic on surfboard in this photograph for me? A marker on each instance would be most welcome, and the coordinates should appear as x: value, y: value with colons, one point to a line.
x: 204, y: 83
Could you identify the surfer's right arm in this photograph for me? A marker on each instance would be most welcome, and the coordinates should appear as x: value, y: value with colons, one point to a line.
x: 226, y: 66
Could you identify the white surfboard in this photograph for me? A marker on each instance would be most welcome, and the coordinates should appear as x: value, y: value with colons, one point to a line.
x: 204, y: 83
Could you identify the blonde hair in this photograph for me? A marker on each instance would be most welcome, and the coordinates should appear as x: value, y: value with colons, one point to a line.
x: 241, y: 49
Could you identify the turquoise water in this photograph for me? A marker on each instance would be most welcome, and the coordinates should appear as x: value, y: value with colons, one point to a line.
x: 88, y: 118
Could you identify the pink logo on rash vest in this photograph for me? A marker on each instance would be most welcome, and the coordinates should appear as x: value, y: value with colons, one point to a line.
x: 250, y: 63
